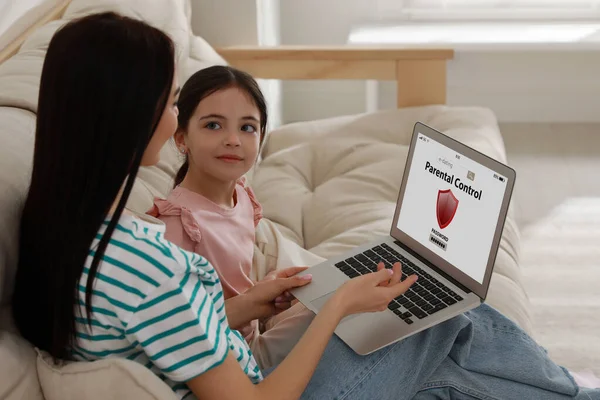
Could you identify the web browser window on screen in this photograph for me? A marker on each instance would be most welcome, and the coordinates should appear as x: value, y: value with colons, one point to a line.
x: 451, y: 206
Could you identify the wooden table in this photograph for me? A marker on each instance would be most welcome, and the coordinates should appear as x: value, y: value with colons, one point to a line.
x: 420, y: 74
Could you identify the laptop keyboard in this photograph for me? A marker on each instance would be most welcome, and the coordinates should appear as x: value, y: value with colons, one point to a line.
x: 425, y: 297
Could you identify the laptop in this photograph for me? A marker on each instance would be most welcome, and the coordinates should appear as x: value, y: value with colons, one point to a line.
x: 447, y: 226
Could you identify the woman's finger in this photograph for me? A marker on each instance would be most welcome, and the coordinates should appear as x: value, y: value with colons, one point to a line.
x: 380, y: 267
x: 286, y: 284
x: 397, y: 268
x: 291, y: 271
x: 402, y: 287
x: 380, y: 278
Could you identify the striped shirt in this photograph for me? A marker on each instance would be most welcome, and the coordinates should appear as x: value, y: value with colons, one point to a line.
x: 158, y: 305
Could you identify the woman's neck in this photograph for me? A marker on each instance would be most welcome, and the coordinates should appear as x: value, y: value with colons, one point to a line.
x: 218, y: 192
x: 113, y: 208
x: 115, y: 203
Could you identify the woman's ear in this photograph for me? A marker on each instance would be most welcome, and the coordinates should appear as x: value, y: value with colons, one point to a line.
x: 179, y: 138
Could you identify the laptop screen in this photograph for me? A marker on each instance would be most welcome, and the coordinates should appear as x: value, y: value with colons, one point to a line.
x: 451, y: 206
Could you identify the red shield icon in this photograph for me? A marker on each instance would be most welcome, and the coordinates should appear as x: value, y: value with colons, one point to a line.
x: 446, y: 207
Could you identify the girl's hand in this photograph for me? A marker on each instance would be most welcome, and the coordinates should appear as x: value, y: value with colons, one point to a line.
x: 371, y: 292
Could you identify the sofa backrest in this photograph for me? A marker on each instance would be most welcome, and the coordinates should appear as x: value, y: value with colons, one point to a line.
x: 19, y: 85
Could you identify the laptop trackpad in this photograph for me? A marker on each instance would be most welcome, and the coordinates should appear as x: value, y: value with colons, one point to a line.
x: 319, y: 302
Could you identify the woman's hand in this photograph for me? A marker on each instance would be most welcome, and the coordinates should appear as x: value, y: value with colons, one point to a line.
x: 266, y: 298
x: 371, y: 292
x: 286, y: 300
x: 270, y: 300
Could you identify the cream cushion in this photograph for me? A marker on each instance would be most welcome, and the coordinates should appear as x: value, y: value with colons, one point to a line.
x: 105, y: 379
x: 18, y: 375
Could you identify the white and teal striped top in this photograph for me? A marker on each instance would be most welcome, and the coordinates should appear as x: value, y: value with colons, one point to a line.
x: 159, y: 305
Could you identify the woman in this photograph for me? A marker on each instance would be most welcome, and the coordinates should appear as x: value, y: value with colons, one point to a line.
x: 95, y: 281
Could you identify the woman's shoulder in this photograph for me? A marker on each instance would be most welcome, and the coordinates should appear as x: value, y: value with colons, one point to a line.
x: 143, y: 237
x: 140, y: 263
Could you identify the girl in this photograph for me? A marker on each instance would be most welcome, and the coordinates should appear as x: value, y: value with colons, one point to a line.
x: 222, y: 121
x: 95, y: 281
x: 211, y: 211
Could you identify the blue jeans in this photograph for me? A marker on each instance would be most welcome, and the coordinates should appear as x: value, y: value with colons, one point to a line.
x: 478, y: 355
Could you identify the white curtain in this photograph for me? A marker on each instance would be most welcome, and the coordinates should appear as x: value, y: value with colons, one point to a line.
x: 268, y: 33
x: 566, y: 4
x: 520, y: 9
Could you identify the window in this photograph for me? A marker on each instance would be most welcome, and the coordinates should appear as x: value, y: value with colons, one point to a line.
x: 482, y: 22
x: 559, y: 10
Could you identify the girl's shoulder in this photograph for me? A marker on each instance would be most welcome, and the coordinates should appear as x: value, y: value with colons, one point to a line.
x: 173, y: 205
x: 256, y: 206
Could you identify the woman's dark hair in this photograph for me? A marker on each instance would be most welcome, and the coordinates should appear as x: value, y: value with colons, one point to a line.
x: 208, y: 81
x: 105, y: 82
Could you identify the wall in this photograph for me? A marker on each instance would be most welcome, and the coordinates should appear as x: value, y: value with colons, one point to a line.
x: 519, y: 87
x: 225, y: 22
x: 242, y: 22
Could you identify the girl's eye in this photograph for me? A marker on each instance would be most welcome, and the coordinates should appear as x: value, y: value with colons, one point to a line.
x: 249, y: 128
x: 213, y: 125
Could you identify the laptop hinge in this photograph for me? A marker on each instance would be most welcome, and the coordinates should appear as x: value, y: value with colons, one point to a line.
x: 433, y: 267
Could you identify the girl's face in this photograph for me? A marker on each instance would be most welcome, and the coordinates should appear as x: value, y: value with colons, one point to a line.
x: 223, y: 136
x: 167, y: 125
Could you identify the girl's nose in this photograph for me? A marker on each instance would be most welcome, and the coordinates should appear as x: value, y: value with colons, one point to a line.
x: 232, y: 140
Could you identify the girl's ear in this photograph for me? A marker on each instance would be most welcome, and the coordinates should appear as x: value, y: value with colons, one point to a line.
x: 179, y: 138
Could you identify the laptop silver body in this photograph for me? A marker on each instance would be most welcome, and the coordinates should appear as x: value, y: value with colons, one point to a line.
x: 447, y: 227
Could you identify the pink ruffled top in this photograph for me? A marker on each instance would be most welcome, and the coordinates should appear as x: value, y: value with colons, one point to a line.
x: 224, y: 236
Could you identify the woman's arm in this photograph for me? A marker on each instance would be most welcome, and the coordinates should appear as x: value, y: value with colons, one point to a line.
x: 239, y: 311
x: 288, y: 381
x: 364, y: 294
